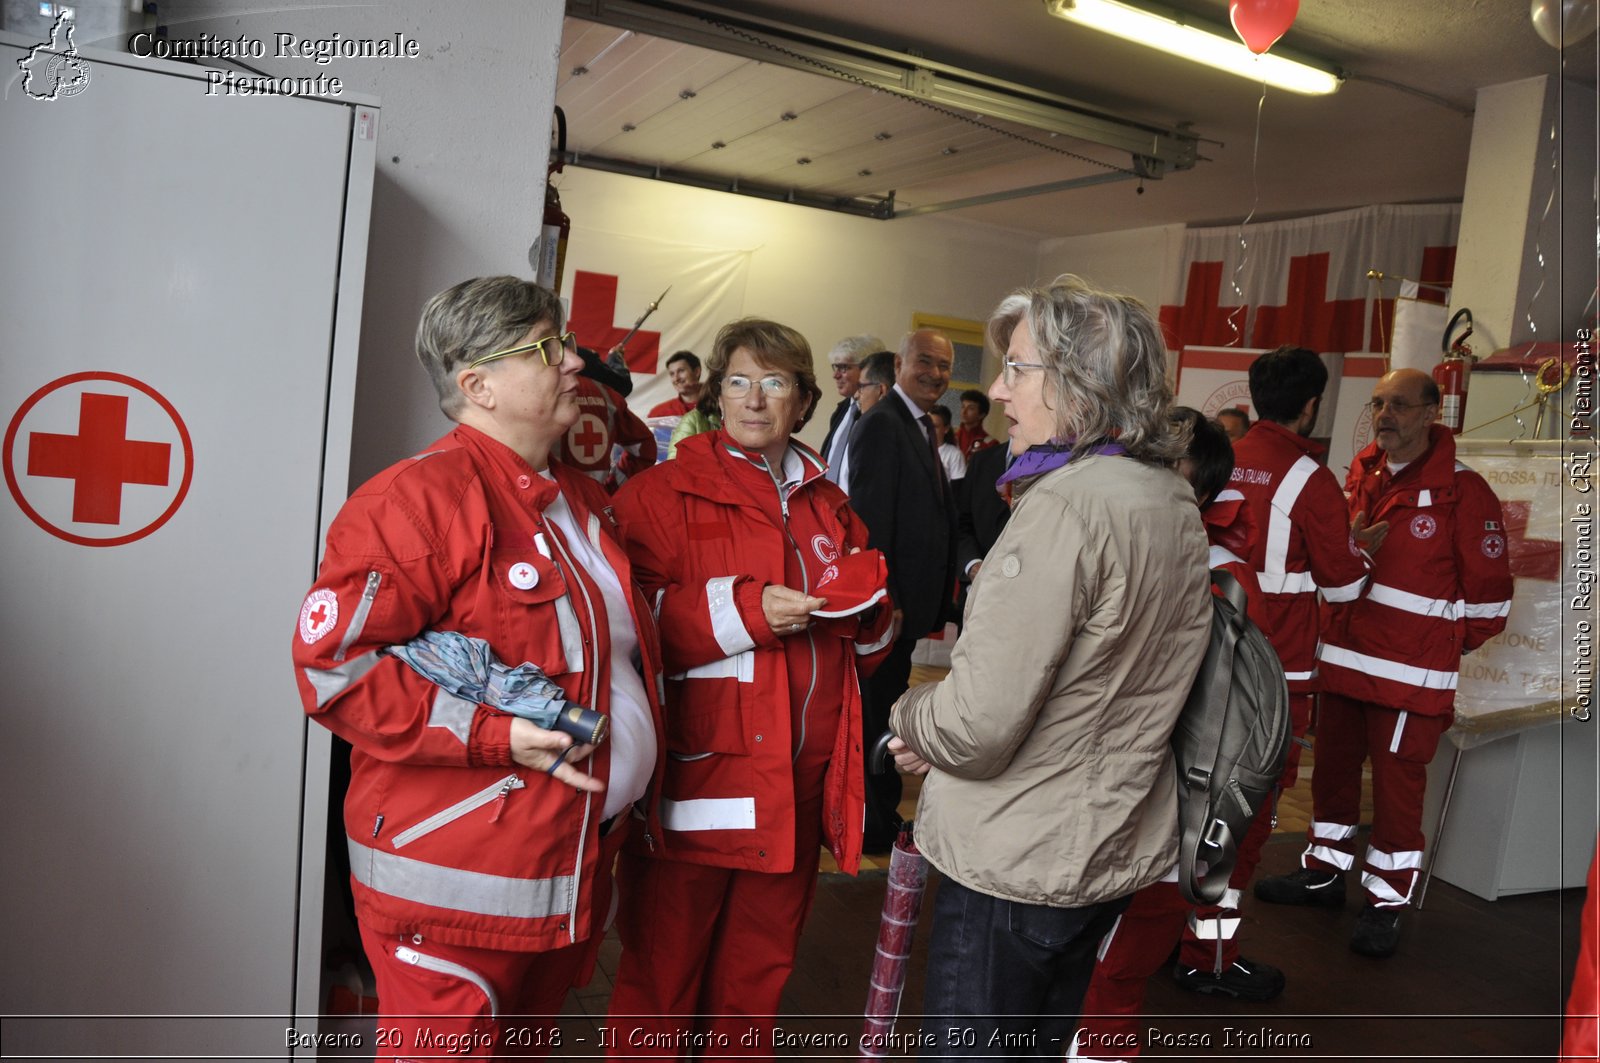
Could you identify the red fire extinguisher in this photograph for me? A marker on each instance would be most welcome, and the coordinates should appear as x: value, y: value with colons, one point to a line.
x: 550, y: 252
x: 1452, y: 373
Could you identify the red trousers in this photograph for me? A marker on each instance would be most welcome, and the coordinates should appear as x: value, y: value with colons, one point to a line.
x: 706, y: 952
x: 1210, y: 940
x: 1135, y: 949
x: 1400, y: 745
x: 453, y: 1001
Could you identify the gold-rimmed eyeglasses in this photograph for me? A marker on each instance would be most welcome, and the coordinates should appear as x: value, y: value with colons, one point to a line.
x: 564, y: 343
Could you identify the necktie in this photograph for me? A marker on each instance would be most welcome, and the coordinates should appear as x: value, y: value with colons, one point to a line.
x: 838, y: 452
x: 933, y: 445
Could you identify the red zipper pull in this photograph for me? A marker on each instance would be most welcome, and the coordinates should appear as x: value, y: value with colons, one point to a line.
x: 500, y: 799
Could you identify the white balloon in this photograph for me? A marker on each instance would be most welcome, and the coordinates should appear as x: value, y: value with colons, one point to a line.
x: 1563, y: 23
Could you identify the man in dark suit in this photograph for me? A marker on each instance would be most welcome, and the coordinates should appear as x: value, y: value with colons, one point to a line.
x: 982, y: 513
x: 845, y: 361
x: 899, y: 488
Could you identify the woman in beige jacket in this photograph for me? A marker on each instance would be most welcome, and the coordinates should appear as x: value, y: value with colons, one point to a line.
x: 1052, y: 795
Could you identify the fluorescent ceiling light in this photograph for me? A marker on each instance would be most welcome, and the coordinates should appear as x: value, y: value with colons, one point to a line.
x: 1181, y: 35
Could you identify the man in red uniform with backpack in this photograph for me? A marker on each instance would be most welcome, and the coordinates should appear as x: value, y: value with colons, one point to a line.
x: 1441, y: 587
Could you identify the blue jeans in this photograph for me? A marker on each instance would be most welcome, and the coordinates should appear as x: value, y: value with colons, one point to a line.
x: 1006, y: 980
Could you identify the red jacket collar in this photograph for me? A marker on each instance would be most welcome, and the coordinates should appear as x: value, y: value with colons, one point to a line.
x: 1305, y: 444
x: 1436, y: 468
x: 501, y: 461
x: 711, y: 464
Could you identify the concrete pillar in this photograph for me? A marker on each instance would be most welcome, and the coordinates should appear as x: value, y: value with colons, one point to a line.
x: 1525, y: 261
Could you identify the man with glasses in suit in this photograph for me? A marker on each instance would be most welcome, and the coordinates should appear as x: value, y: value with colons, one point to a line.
x: 899, y: 488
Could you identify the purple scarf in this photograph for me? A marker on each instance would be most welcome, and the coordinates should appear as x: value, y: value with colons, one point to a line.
x: 1041, y: 458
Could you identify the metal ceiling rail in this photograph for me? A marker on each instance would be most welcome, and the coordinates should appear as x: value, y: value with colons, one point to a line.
x: 710, y: 26
x: 879, y: 207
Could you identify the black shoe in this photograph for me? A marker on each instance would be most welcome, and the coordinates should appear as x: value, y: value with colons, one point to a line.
x: 1377, y: 932
x: 1243, y: 980
x: 1306, y: 886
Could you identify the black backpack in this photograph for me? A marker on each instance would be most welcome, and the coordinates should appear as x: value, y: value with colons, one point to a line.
x: 1230, y: 744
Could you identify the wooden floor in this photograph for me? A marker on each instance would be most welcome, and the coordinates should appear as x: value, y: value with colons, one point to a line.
x: 1474, y: 979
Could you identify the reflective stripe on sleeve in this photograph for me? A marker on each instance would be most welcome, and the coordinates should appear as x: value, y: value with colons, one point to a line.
x: 864, y: 648
x: 1485, y: 610
x: 1426, y: 678
x: 1347, y: 593
x: 1221, y: 555
x: 329, y: 683
x: 1394, y: 598
x: 709, y: 813
x: 726, y: 625
x: 458, y: 890
x: 1286, y: 582
x: 453, y: 714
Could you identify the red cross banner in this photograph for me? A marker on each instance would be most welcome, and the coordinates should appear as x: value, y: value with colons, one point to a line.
x: 98, y: 459
x: 1516, y: 679
x: 612, y: 278
x: 1304, y: 282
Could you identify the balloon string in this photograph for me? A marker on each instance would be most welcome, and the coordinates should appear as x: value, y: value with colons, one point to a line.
x: 1244, y: 247
x: 1538, y: 257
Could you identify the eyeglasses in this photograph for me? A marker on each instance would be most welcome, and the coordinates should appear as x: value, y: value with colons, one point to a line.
x: 865, y: 384
x: 773, y: 387
x: 1377, y: 406
x: 1009, y: 376
x: 565, y: 342
x: 844, y: 367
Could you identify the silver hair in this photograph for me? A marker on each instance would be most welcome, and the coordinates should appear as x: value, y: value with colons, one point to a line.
x: 1106, y: 364
x: 474, y: 318
x: 855, y: 347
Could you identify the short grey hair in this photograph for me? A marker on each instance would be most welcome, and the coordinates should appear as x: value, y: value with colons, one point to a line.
x: 474, y: 318
x: 1105, y: 360
x: 854, y: 348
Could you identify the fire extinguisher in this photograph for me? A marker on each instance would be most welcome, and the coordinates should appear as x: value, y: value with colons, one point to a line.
x: 1452, y: 373
x: 549, y: 254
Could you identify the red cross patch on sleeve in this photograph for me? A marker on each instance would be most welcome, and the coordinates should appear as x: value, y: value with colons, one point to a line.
x: 318, y: 615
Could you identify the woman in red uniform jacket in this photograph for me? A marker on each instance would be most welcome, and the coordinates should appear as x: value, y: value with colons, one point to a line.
x: 730, y: 541
x: 481, y: 844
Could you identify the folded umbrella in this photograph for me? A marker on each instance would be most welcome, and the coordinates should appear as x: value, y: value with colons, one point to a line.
x: 467, y: 668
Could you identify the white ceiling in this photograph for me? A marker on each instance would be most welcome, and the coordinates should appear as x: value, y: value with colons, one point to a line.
x: 1398, y: 130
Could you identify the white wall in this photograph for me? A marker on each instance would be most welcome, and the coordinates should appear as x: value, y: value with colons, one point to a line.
x: 828, y: 275
x: 1140, y: 262
x: 463, y: 143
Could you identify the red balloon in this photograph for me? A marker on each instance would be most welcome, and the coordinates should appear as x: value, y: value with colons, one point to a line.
x: 1259, y: 23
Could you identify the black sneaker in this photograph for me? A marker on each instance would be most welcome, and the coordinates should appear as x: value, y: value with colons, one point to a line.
x: 1306, y: 886
x: 1243, y: 980
x: 1377, y: 932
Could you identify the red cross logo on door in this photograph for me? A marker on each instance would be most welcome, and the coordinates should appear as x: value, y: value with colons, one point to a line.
x: 98, y: 459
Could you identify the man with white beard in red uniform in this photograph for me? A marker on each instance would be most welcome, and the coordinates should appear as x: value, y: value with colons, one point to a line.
x: 1441, y: 587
